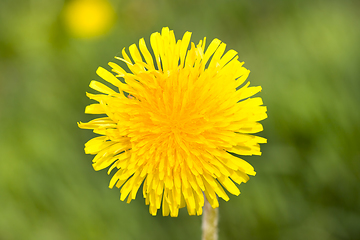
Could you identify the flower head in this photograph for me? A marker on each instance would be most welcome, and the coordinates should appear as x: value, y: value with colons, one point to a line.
x: 176, y: 123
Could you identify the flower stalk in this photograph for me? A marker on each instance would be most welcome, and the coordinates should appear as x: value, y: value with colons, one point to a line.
x: 210, y: 222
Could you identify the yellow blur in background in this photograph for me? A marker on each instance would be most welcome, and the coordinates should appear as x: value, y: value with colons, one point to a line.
x: 88, y: 18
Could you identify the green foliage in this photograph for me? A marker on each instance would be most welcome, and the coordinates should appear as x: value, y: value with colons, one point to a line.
x: 304, y: 54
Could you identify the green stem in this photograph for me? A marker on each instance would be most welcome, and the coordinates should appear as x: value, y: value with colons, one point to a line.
x: 210, y: 222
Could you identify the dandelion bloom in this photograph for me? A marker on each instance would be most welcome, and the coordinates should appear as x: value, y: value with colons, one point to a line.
x: 176, y: 123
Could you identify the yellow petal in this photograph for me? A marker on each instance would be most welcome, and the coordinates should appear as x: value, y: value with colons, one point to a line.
x: 101, y: 88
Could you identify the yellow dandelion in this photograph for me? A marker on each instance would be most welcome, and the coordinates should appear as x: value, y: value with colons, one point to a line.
x: 88, y: 18
x: 176, y: 124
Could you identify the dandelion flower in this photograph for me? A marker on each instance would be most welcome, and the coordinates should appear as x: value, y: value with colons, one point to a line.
x: 176, y: 123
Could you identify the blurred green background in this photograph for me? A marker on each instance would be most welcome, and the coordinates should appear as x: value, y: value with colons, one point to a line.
x: 305, y: 55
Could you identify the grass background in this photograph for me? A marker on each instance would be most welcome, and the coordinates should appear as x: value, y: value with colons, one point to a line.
x: 306, y: 56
